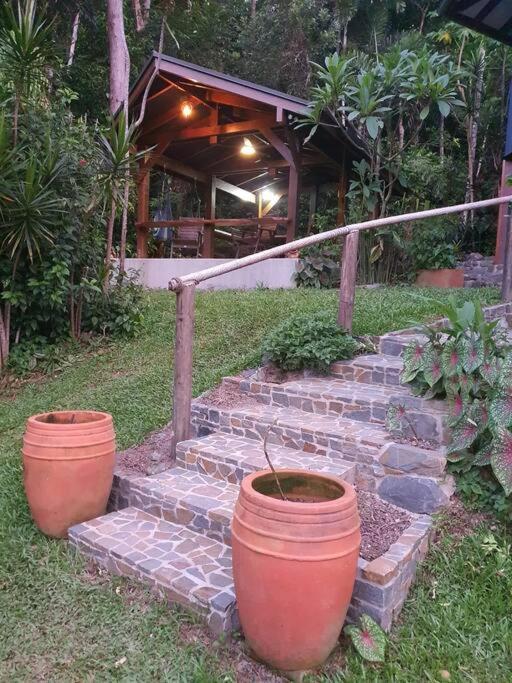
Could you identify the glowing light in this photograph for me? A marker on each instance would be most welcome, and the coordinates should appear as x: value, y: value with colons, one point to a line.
x: 268, y: 195
x: 186, y: 109
x: 247, y: 149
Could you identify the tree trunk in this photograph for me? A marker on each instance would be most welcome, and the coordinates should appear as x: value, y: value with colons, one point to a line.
x: 108, y: 248
x: 74, y: 38
x: 124, y: 226
x: 141, y: 11
x: 473, y: 126
x: 253, y: 8
x: 119, y: 58
x: 441, y: 137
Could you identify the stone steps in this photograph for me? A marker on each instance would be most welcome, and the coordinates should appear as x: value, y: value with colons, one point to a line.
x: 230, y: 458
x: 187, y: 568
x: 397, y: 471
x: 202, y: 503
x: 358, y: 401
x: 375, y: 369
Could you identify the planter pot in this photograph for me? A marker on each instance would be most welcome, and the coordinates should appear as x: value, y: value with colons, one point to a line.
x: 68, y: 463
x: 444, y: 278
x: 294, y: 565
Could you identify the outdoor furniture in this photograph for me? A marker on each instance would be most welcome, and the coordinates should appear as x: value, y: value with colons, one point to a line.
x: 188, y: 237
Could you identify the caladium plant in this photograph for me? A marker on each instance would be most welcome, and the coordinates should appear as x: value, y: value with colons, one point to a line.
x: 469, y: 362
x: 368, y: 639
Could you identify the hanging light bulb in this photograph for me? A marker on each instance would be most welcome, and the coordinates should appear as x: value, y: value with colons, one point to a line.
x: 267, y: 195
x: 186, y: 109
x: 247, y: 149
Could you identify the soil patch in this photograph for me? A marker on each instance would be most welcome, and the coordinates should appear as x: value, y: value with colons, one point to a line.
x: 151, y: 456
x: 459, y: 521
x: 228, y: 396
x: 382, y: 524
x: 271, y: 373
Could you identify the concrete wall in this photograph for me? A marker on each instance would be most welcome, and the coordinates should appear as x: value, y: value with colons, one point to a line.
x: 156, y: 273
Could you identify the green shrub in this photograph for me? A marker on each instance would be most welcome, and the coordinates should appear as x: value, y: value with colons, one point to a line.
x: 432, y: 244
x: 310, y: 342
x: 470, y: 363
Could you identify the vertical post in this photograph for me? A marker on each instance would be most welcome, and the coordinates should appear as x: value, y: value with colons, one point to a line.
x: 313, y: 202
x: 183, y: 345
x: 209, y: 212
x: 293, y: 203
x: 348, y: 280
x: 506, y: 283
x: 505, y: 189
x: 142, y: 212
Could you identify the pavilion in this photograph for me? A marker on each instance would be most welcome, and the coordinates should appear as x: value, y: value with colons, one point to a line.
x: 229, y: 135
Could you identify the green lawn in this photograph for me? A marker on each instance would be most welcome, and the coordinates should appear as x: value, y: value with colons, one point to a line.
x: 60, y: 621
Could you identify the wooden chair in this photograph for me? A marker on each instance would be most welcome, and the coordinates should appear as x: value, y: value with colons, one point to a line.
x: 269, y: 235
x: 188, y: 237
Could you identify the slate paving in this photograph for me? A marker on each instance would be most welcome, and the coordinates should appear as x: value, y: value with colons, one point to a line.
x: 187, y: 568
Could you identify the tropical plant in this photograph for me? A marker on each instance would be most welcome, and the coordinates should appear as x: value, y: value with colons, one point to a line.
x: 308, y: 342
x: 469, y: 362
x: 368, y: 639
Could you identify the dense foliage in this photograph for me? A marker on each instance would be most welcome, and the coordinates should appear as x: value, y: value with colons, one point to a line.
x: 469, y: 362
x: 55, y: 169
x: 308, y: 342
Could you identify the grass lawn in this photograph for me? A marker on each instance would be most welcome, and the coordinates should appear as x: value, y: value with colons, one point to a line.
x: 60, y: 621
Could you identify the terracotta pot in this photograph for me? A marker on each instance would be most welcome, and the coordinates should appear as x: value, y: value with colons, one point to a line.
x: 294, y: 565
x: 68, y: 462
x: 444, y: 278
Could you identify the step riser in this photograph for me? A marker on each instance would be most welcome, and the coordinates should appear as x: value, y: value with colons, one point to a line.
x: 221, y: 468
x: 387, y: 377
x: 213, y: 523
x: 428, y: 424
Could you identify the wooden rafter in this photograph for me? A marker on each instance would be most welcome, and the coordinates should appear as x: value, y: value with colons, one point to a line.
x: 234, y: 190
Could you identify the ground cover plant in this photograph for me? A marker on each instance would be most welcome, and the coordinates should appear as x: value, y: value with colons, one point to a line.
x: 61, y: 620
x: 468, y: 361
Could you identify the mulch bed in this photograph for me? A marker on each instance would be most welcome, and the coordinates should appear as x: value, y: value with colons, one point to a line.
x: 228, y: 396
x: 382, y: 524
x: 151, y: 456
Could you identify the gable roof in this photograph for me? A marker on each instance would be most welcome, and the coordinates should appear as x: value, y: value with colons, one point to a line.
x: 490, y: 17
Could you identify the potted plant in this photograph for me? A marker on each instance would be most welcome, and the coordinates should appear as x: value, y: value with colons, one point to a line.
x: 433, y: 252
x: 295, y: 539
x: 68, y: 466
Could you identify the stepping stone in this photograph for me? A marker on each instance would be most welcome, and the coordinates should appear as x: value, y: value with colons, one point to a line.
x: 202, y: 503
x: 187, y: 568
x: 230, y: 458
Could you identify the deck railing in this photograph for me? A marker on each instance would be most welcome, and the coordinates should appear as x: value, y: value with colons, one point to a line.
x: 184, y: 288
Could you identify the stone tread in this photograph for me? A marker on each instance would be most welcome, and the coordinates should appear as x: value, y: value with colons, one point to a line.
x: 183, y: 496
x: 370, y: 361
x: 332, y: 390
x: 186, y: 567
x: 230, y: 457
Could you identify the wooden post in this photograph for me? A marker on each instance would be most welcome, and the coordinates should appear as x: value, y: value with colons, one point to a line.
x: 348, y: 280
x: 142, y: 212
x: 293, y: 203
x: 506, y: 283
x: 505, y: 190
x: 209, y: 212
x: 183, y: 346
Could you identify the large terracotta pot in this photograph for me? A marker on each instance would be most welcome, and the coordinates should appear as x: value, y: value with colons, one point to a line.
x: 68, y: 462
x: 294, y: 565
x: 444, y: 278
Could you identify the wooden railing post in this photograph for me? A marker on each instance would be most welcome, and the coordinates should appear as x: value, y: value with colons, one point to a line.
x: 348, y: 280
x: 183, y: 345
x: 506, y: 283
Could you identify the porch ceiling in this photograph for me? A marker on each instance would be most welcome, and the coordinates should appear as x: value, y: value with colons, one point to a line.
x: 491, y: 17
x: 224, y: 111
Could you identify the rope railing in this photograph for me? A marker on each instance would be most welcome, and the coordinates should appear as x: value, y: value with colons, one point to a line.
x: 185, y: 287
x: 176, y: 284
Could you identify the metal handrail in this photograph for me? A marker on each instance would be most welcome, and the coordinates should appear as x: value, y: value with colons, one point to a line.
x: 176, y: 284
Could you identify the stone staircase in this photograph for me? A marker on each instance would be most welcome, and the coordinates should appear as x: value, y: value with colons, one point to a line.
x: 172, y: 529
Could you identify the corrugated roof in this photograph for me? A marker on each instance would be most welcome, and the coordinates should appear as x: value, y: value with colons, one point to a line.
x: 491, y: 17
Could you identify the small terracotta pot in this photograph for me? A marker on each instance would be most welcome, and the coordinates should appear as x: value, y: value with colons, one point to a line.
x: 294, y: 565
x: 68, y: 464
x: 443, y: 278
